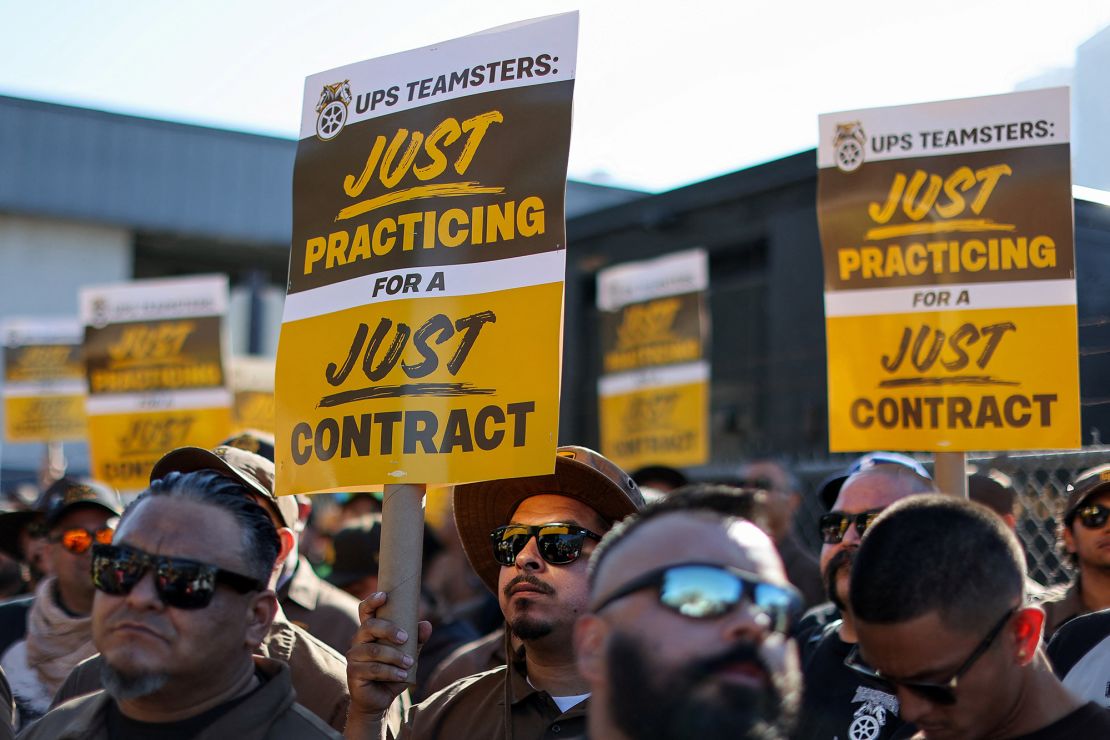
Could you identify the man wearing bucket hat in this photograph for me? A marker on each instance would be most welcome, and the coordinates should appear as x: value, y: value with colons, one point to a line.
x: 316, y: 670
x: 76, y: 515
x: 1085, y: 538
x: 529, y: 540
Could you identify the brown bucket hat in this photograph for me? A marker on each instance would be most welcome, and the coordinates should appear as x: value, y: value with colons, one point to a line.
x: 580, y: 473
x: 253, y: 471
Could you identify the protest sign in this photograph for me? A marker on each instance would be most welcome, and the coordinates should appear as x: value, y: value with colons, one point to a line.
x: 654, y: 386
x: 949, y: 262
x: 421, y: 335
x: 154, y: 364
x: 252, y: 388
x: 44, y: 380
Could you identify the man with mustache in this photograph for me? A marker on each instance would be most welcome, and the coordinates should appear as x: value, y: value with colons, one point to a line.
x: 688, y: 632
x: 529, y: 540
x: 182, y: 601
x: 839, y: 702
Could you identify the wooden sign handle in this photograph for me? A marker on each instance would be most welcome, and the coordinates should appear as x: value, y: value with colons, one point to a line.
x: 950, y: 473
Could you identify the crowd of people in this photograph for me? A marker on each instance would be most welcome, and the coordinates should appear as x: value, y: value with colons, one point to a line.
x: 588, y: 603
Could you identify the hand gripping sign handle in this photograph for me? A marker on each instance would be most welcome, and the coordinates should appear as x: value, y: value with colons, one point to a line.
x: 399, y: 561
x: 950, y: 473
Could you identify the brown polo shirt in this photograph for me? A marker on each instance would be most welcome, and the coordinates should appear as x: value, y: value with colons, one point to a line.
x: 1062, y: 608
x: 499, y: 703
x: 318, y: 673
x: 329, y: 613
x: 269, y: 713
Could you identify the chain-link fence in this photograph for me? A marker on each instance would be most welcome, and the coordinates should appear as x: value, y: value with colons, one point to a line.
x: 1039, y: 479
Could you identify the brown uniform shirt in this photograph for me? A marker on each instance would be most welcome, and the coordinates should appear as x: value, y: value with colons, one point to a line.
x: 269, y: 713
x: 318, y: 673
x: 476, y: 656
x: 1061, y: 608
x: 312, y: 603
x: 496, y: 704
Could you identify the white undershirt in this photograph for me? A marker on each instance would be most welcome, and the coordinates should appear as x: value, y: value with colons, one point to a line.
x: 563, y: 702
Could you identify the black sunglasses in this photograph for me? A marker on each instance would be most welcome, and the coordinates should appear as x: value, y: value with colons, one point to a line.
x: 1092, y: 516
x: 180, y: 583
x: 938, y: 693
x: 834, y: 525
x: 558, y: 544
x: 706, y: 591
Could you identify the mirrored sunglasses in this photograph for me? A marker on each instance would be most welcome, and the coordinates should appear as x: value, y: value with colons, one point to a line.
x: 180, y: 583
x: 833, y: 526
x: 558, y: 544
x: 707, y: 591
x: 78, y: 540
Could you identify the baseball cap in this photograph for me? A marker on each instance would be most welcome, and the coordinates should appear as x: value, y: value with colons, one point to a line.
x: 1086, y: 484
x: 830, y: 487
x: 356, y: 548
x: 66, y: 494
x: 253, y: 440
x: 580, y: 473
x: 253, y: 471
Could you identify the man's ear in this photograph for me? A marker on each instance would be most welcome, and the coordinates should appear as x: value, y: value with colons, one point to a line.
x: 591, y: 636
x: 1028, y: 626
x: 261, y: 611
x: 288, y: 542
x: 1069, y: 539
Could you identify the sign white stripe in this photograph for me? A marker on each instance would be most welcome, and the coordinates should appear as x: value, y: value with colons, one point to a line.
x: 458, y: 280
x: 125, y: 403
x: 71, y: 387
x: 656, y: 377
x: 929, y: 298
x: 921, y: 130
x: 411, y: 79
x: 154, y: 299
x: 673, y: 274
x: 17, y: 332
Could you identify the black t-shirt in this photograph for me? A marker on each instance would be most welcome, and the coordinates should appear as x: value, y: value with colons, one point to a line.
x: 121, y: 727
x: 840, y: 704
x: 1080, y: 655
x: 811, y: 628
x: 1089, y: 722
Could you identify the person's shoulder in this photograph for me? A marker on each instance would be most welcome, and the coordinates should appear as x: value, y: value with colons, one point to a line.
x: 1076, y: 638
x: 466, y: 689
x: 83, y: 679
x: 332, y: 597
x: 464, y: 702
x: 75, y: 718
x: 297, y: 722
x: 320, y: 652
x: 476, y: 656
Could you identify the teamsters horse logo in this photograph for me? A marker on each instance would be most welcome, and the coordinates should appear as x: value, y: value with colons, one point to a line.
x: 849, y: 146
x: 331, y: 111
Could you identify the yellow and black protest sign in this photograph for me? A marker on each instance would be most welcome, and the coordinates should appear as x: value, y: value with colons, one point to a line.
x: 421, y: 337
x: 44, y: 380
x: 654, y: 386
x: 154, y: 367
x: 252, y: 386
x: 950, y: 275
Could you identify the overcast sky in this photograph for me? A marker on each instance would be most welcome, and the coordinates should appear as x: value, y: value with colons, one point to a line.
x: 667, y: 93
